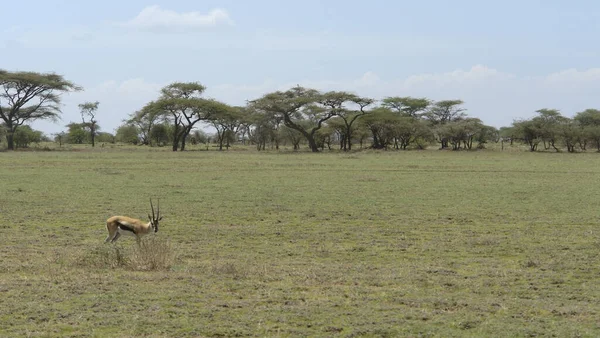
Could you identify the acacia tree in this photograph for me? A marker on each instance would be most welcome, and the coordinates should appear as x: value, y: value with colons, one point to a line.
x: 550, y: 121
x: 443, y: 112
x: 227, y: 121
x: 145, y: 119
x: 89, y: 109
x: 589, y: 120
x: 381, y: 122
x: 337, y: 103
x: 407, y: 106
x: 294, y: 106
x: 529, y: 131
x: 29, y: 96
x: 182, y: 102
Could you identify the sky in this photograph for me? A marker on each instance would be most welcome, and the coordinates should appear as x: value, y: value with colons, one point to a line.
x: 504, y: 59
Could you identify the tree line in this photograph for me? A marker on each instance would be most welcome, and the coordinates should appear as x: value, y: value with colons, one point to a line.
x: 300, y: 117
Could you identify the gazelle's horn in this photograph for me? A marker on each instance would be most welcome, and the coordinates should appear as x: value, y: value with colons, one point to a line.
x: 158, y: 209
x: 151, y: 206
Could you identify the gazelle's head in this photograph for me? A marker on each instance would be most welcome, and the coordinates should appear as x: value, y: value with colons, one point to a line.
x: 154, y: 219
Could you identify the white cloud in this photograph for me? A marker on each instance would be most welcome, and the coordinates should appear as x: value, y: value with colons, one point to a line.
x: 156, y: 18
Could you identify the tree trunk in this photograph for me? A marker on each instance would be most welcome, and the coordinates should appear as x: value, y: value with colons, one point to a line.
x: 183, y: 142
x: 312, y: 143
x: 93, y: 129
x: 175, y: 141
x: 10, y: 139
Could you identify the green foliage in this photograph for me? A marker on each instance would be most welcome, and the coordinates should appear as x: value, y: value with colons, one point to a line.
x: 299, y: 109
x: 128, y: 133
x: 25, y: 135
x: 588, y: 117
x: 30, y: 96
x: 145, y: 119
x: 89, y: 109
x: 442, y: 112
x: 407, y: 106
x: 160, y: 134
x: 380, y: 122
x: 76, y: 133
x: 105, y: 137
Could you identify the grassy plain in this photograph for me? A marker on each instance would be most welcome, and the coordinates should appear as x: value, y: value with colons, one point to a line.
x: 418, y: 243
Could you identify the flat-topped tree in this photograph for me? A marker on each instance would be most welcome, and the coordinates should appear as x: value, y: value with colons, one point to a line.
x: 182, y: 102
x: 407, y: 106
x: 145, y: 119
x: 348, y: 107
x: 30, y: 96
x: 227, y: 121
x: 295, y: 106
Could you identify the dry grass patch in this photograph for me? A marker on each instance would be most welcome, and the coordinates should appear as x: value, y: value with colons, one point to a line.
x: 153, y: 254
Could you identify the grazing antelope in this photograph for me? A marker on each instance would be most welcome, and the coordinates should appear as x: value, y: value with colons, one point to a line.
x: 118, y: 225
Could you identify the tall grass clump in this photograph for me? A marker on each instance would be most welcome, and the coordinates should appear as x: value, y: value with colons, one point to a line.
x: 152, y: 254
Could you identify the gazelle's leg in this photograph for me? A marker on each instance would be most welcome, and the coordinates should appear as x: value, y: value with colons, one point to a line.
x: 117, y: 235
x: 111, y: 232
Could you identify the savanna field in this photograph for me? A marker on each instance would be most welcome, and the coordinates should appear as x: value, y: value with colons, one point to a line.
x: 280, y: 244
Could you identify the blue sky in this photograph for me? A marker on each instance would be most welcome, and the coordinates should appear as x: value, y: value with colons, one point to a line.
x: 504, y: 59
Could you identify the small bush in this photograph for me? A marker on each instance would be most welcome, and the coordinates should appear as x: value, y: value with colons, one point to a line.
x: 153, y: 253
x: 104, y: 256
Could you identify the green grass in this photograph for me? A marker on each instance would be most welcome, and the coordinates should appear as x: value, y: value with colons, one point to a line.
x: 418, y: 243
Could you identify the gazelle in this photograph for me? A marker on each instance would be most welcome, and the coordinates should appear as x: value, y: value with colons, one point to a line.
x: 118, y: 225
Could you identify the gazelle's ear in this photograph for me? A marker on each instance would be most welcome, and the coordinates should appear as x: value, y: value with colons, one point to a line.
x: 160, y: 218
x: 150, y: 217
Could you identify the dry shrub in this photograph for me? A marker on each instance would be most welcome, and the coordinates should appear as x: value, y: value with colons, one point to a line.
x: 153, y: 253
x: 104, y: 256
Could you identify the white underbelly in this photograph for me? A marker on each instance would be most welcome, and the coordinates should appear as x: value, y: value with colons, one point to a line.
x: 125, y: 232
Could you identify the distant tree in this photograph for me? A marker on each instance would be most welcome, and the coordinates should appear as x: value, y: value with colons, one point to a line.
x: 570, y: 132
x: 30, y: 96
x: 88, y: 110
x: 340, y: 104
x: 25, y: 135
x: 182, y: 102
x: 294, y: 136
x: 199, y: 136
x: 264, y: 130
x: 588, y: 117
x: 549, y: 121
x: 381, y: 122
x: 485, y: 135
x: 407, y: 106
x: 227, y: 121
x: 60, y: 138
x: 442, y: 112
x: 294, y: 106
x: 76, y: 133
x: 589, y: 120
x: 408, y: 130
x: 445, y: 111
x: 160, y: 134
x: 507, y: 133
x: 145, y: 119
x: 105, y: 137
x: 529, y: 131
x: 128, y: 133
